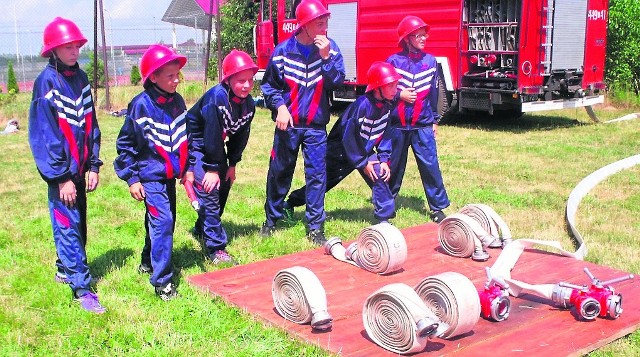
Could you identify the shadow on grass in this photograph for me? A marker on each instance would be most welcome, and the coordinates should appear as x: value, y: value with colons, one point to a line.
x: 366, y: 213
x: 112, y: 259
x: 511, y: 124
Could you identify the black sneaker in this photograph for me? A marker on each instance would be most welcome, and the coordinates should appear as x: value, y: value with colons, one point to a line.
x: 266, y: 230
x: 317, y: 237
x: 145, y: 268
x: 437, y: 216
x: 166, y: 292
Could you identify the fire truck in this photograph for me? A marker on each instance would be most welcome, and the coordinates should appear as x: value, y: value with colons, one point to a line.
x: 494, y: 56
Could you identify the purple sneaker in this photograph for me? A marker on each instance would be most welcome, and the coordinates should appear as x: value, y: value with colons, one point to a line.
x: 61, y: 278
x: 89, y: 302
x: 221, y: 257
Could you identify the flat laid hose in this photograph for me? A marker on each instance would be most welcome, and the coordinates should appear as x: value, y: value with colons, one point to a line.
x: 380, y: 249
x: 397, y: 320
x: 454, y: 299
x: 299, y: 297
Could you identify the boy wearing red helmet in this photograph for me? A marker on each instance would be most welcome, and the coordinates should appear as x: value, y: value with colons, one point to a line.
x: 297, y: 83
x: 152, y: 153
x: 358, y: 140
x: 65, y: 141
x: 222, y: 115
x: 415, y: 120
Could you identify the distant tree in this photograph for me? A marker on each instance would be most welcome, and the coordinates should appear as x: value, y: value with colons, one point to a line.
x: 12, y: 83
x: 135, y: 77
x: 238, y: 18
x: 623, y: 62
x: 89, y: 70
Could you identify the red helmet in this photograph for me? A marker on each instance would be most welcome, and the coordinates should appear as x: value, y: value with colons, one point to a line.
x: 157, y: 56
x: 381, y: 74
x: 408, y: 25
x: 309, y: 10
x: 59, y: 32
x: 235, y: 62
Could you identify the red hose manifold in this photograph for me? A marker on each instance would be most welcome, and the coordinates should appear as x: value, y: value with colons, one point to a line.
x: 494, y: 299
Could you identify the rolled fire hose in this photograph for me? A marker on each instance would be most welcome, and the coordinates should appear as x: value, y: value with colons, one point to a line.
x: 397, y: 320
x: 454, y: 299
x: 462, y: 236
x: 299, y: 297
x: 491, y: 221
x: 379, y: 249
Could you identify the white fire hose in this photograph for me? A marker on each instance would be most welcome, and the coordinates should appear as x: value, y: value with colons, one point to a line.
x: 379, y: 249
x: 469, y: 232
x: 454, y: 299
x: 397, y: 320
x: 299, y: 297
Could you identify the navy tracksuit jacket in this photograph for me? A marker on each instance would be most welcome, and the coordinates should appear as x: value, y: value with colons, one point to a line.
x: 153, y: 150
x: 412, y: 125
x: 218, y: 117
x: 65, y: 141
x: 359, y: 136
x: 303, y: 83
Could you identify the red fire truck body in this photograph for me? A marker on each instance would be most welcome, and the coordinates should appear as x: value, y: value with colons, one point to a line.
x: 494, y: 55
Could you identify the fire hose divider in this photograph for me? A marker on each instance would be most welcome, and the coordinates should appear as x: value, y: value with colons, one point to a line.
x: 299, y: 297
x: 397, y: 320
x: 454, y: 299
x: 379, y: 249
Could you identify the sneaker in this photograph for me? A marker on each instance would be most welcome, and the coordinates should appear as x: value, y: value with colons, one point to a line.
x: 287, y: 212
x: 221, y: 257
x: 437, y: 216
x: 266, y: 231
x: 166, y: 292
x: 196, y: 233
x: 317, y: 237
x: 145, y: 268
x: 62, y: 278
x: 90, y: 302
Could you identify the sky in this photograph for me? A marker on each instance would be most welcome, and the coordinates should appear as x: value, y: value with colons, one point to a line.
x: 126, y: 22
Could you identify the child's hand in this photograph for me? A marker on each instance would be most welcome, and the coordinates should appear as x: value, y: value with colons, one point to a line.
x: 435, y: 130
x: 408, y: 95
x: 231, y: 175
x: 385, y: 171
x: 67, y: 193
x: 137, y: 191
x: 92, y: 181
x: 370, y: 170
x: 323, y: 44
x: 211, y: 181
x: 284, y: 118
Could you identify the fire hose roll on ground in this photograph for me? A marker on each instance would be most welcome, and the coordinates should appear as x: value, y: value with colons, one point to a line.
x: 379, y: 249
x: 397, y: 320
x: 454, y: 299
x: 299, y: 297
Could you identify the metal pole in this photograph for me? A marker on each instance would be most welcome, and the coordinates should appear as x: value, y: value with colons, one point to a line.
x: 104, y: 58
x: 219, y: 38
x: 208, y: 50
x: 95, y: 53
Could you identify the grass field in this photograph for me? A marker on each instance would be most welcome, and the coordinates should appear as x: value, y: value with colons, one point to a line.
x: 524, y: 169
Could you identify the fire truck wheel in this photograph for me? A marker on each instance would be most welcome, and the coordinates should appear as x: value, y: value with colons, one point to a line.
x: 444, y: 102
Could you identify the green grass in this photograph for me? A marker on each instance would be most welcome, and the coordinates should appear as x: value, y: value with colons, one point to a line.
x: 524, y: 169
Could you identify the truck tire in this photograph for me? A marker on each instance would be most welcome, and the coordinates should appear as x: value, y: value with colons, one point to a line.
x: 444, y: 101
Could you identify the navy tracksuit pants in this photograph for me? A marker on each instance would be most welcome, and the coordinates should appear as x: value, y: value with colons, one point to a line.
x: 423, y: 144
x: 160, y: 221
x: 70, y: 234
x: 286, y: 144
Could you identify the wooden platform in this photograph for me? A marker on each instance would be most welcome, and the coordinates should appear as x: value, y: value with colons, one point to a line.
x: 535, y: 327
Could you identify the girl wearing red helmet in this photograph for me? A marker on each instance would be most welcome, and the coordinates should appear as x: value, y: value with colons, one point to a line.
x: 65, y: 141
x: 359, y: 140
x: 222, y: 115
x: 415, y: 120
x: 297, y: 84
x: 152, y: 153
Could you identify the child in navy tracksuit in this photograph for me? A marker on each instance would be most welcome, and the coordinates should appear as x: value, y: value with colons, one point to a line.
x: 358, y: 141
x: 415, y: 119
x: 224, y: 113
x: 152, y: 153
x: 65, y: 141
x: 297, y: 82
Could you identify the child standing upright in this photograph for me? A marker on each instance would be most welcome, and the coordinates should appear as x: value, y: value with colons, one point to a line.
x: 415, y: 120
x: 358, y: 140
x: 223, y: 114
x: 152, y: 153
x: 65, y: 141
x: 297, y: 83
